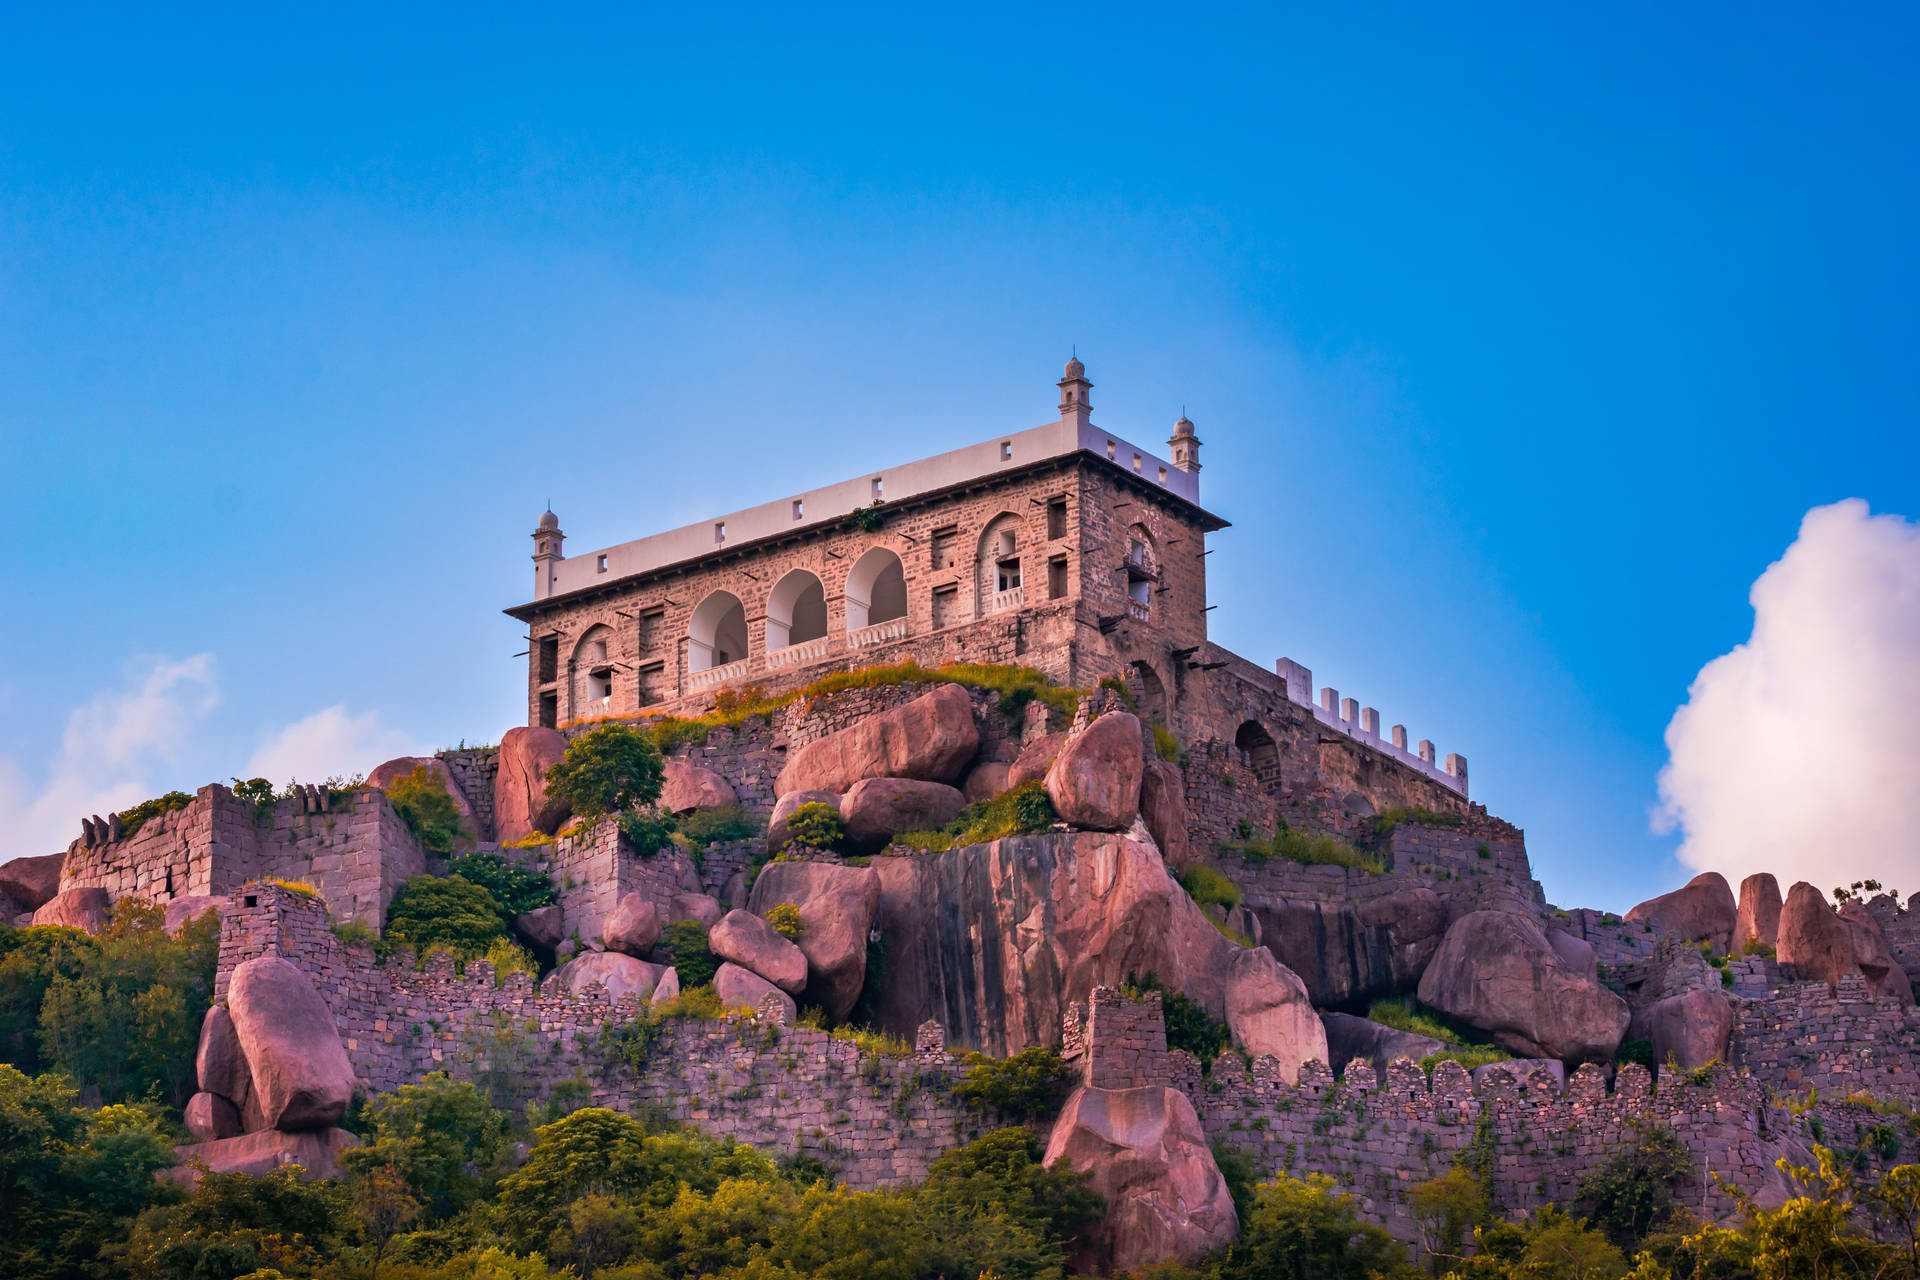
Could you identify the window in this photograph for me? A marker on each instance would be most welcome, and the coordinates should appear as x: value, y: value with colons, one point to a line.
x: 799, y: 508
x: 549, y: 711
x: 1109, y: 451
x: 652, y: 683
x: 879, y: 489
x: 1006, y: 450
x: 600, y: 565
x: 1057, y: 578
x: 648, y: 631
x: 1009, y: 542
x: 1057, y: 518
x: 1163, y: 475
x: 946, y: 607
x: 1007, y: 573
x: 549, y: 659
x: 941, y: 547
x: 720, y: 531
x: 1136, y: 464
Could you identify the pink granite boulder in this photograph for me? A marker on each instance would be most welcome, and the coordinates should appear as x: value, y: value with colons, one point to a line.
x: 837, y: 905
x: 32, y: 882
x: 316, y: 1151
x: 1497, y: 972
x: 789, y: 804
x: 701, y: 908
x: 1702, y: 910
x: 1163, y: 806
x: 634, y: 927
x: 686, y: 787
x: 210, y: 1117
x: 83, y: 909
x: 1757, y: 920
x: 876, y: 809
x: 1691, y: 1028
x: 1094, y: 782
x: 386, y: 774
x: 1812, y: 944
x: 748, y: 941
x: 740, y: 988
x: 520, y: 804
x: 620, y: 975
x: 986, y: 780
x: 300, y: 1073
x: 1874, y: 957
x: 931, y: 738
x: 219, y: 1066
x: 1269, y: 1012
x: 183, y: 911
x: 1143, y: 1151
x: 1035, y: 759
x: 544, y: 926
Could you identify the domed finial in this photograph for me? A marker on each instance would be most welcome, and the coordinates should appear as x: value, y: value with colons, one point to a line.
x: 1075, y: 369
x: 549, y: 520
x: 1184, y: 427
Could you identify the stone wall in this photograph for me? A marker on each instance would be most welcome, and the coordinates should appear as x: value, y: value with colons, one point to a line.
x: 472, y: 769
x: 357, y: 852
x: 1840, y: 1040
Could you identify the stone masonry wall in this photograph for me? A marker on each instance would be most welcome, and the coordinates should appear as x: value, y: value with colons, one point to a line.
x: 1840, y: 1040
x: 472, y: 769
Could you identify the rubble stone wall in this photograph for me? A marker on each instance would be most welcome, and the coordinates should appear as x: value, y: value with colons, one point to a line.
x: 473, y: 769
x: 1840, y: 1040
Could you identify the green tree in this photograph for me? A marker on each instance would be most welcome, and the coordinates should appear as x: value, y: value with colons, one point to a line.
x: 516, y: 890
x: 1305, y: 1230
x: 238, y: 1223
x: 441, y: 1137
x: 1447, y: 1208
x: 385, y: 1207
x: 1634, y: 1188
x: 445, y: 911
x: 692, y: 958
x: 1028, y: 1085
x: 606, y: 770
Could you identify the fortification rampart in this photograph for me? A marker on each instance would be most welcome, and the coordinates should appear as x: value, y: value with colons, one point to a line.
x: 1839, y: 1040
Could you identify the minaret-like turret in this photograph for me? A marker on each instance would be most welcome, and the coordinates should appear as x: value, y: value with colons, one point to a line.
x: 1076, y: 399
x: 547, y: 540
x: 1185, y: 445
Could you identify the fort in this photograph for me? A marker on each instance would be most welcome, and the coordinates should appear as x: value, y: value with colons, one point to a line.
x: 1025, y: 615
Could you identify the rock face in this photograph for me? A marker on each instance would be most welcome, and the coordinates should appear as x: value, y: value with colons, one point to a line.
x: 1812, y: 944
x: 1095, y: 780
x: 185, y: 910
x: 686, y: 787
x: 837, y: 904
x: 1035, y: 759
x: 386, y: 774
x: 748, y: 941
x: 1350, y: 1038
x: 787, y: 805
x: 931, y: 738
x: 301, y: 1077
x: 1268, y: 1011
x: 210, y: 1117
x: 620, y: 974
x: 996, y: 940
x: 83, y: 909
x: 1871, y: 953
x: 1496, y: 971
x: 1145, y: 1154
x: 875, y: 809
x: 699, y: 907
x: 1702, y: 910
x: 1576, y: 953
x: 1758, y: 917
x: 740, y: 988
x: 317, y: 1152
x: 633, y: 927
x: 1690, y: 1028
x: 520, y: 804
x: 219, y: 1065
x: 986, y: 780
x: 1163, y: 806
x: 32, y: 882
x: 1350, y: 955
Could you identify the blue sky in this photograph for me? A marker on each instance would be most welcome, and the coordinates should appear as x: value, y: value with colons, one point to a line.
x: 1520, y: 342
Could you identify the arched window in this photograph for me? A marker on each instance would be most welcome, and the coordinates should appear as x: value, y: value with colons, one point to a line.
x: 718, y: 633
x: 998, y: 574
x: 876, y: 590
x: 1257, y: 745
x: 593, y: 672
x: 1143, y: 571
x: 796, y: 611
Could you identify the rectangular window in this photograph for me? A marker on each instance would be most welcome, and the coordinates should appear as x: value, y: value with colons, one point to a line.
x: 879, y: 489
x: 1109, y: 451
x: 549, y: 711
x: 1006, y: 450
x: 549, y: 659
x: 1057, y: 518
x: 720, y: 531
x: 1007, y: 573
x: 799, y: 508
x: 1136, y: 464
x: 1057, y: 578
x: 600, y: 565
x: 648, y: 630
x: 1163, y: 475
x: 946, y: 607
x: 940, y: 547
x: 652, y: 683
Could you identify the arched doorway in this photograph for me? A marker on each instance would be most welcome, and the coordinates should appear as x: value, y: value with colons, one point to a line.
x: 717, y: 634
x: 1144, y: 683
x: 796, y: 611
x: 1257, y: 748
x: 876, y: 590
x: 593, y: 672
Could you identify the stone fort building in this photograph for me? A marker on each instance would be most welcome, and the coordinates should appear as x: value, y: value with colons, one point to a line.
x: 1064, y: 547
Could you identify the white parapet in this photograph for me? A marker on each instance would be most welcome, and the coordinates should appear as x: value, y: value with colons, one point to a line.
x: 1363, y: 725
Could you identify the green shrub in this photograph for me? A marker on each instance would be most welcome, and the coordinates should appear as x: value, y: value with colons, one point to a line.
x: 421, y: 799
x: 1404, y: 1015
x: 815, y: 825
x: 445, y: 911
x: 1120, y: 690
x: 1634, y: 1188
x: 509, y: 957
x: 867, y: 519
x: 1209, y: 886
x: 1030, y: 1085
x: 610, y: 769
x: 1634, y: 1051
x: 718, y: 824
x: 883, y: 1044
x: 1021, y: 811
x: 131, y: 820
x: 515, y: 889
x: 784, y: 919
x: 1468, y: 1056
x: 353, y: 932
x: 1387, y: 819
x: 647, y: 832
x: 696, y: 963
x: 1166, y: 744
x: 535, y: 839
x: 257, y: 792
x: 1755, y: 947
x: 1306, y: 847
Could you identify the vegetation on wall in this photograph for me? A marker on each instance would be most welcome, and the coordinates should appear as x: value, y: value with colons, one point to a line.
x: 694, y: 960
x: 610, y: 769
x: 421, y: 800
x: 815, y: 825
x: 1029, y: 1085
x: 516, y: 890
x: 1209, y: 886
x: 1306, y: 847
x: 131, y: 820
x: 1189, y: 1025
x: 452, y: 912
x: 1405, y: 1015
x: 1024, y: 810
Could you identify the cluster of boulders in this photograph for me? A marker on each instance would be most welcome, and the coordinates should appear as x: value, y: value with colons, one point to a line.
x: 275, y: 1080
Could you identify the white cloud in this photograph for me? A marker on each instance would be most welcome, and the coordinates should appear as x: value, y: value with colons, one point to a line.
x: 1799, y: 752
x: 325, y: 744
x: 107, y: 753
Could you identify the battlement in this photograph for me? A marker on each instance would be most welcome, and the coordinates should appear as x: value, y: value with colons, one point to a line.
x: 1362, y: 724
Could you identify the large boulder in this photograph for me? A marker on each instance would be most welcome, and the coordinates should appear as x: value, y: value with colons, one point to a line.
x: 210, y: 1117
x: 1497, y: 972
x: 520, y: 804
x: 634, y: 927
x: 300, y: 1074
x: 703, y: 909
x: 985, y: 780
x: 184, y: 910
x: 544, y: 926
x: 1351, y: 1038
x: 748, y: 941
x: 82, y: 909
x: 1163, y: 806
x: 1035, y: 759
x: 620, y: 975
x: 32, y: 882
x: 384, y: 775
x: 1702, y: 910
x: 787, y: 805
x: 316, y: 1151
x: 837, y: 905
x: 219, y: 1065
x: 1871, y: 953
x: 686, y: 787
x: 1690, y: 1028
x: 1144, y: 1153
x: 1269, y: 1012
x: 1348, y: 954
x: 1757, y: 919
x: 1095, y: 780
x: 876, y: 809
x: 740, y: 988
x: 931, y: 738
x: 1576, y: 953
x: 1812, y: 944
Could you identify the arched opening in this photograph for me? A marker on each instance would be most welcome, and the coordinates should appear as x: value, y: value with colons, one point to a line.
x: 1143, y: 571
x: 718, y: 633
x: 876, y: 590
x: 593, y: 672
x: 796, y: 611
x: 1258, y: 749
x: 1148, y: 690
x: 997, y: 566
